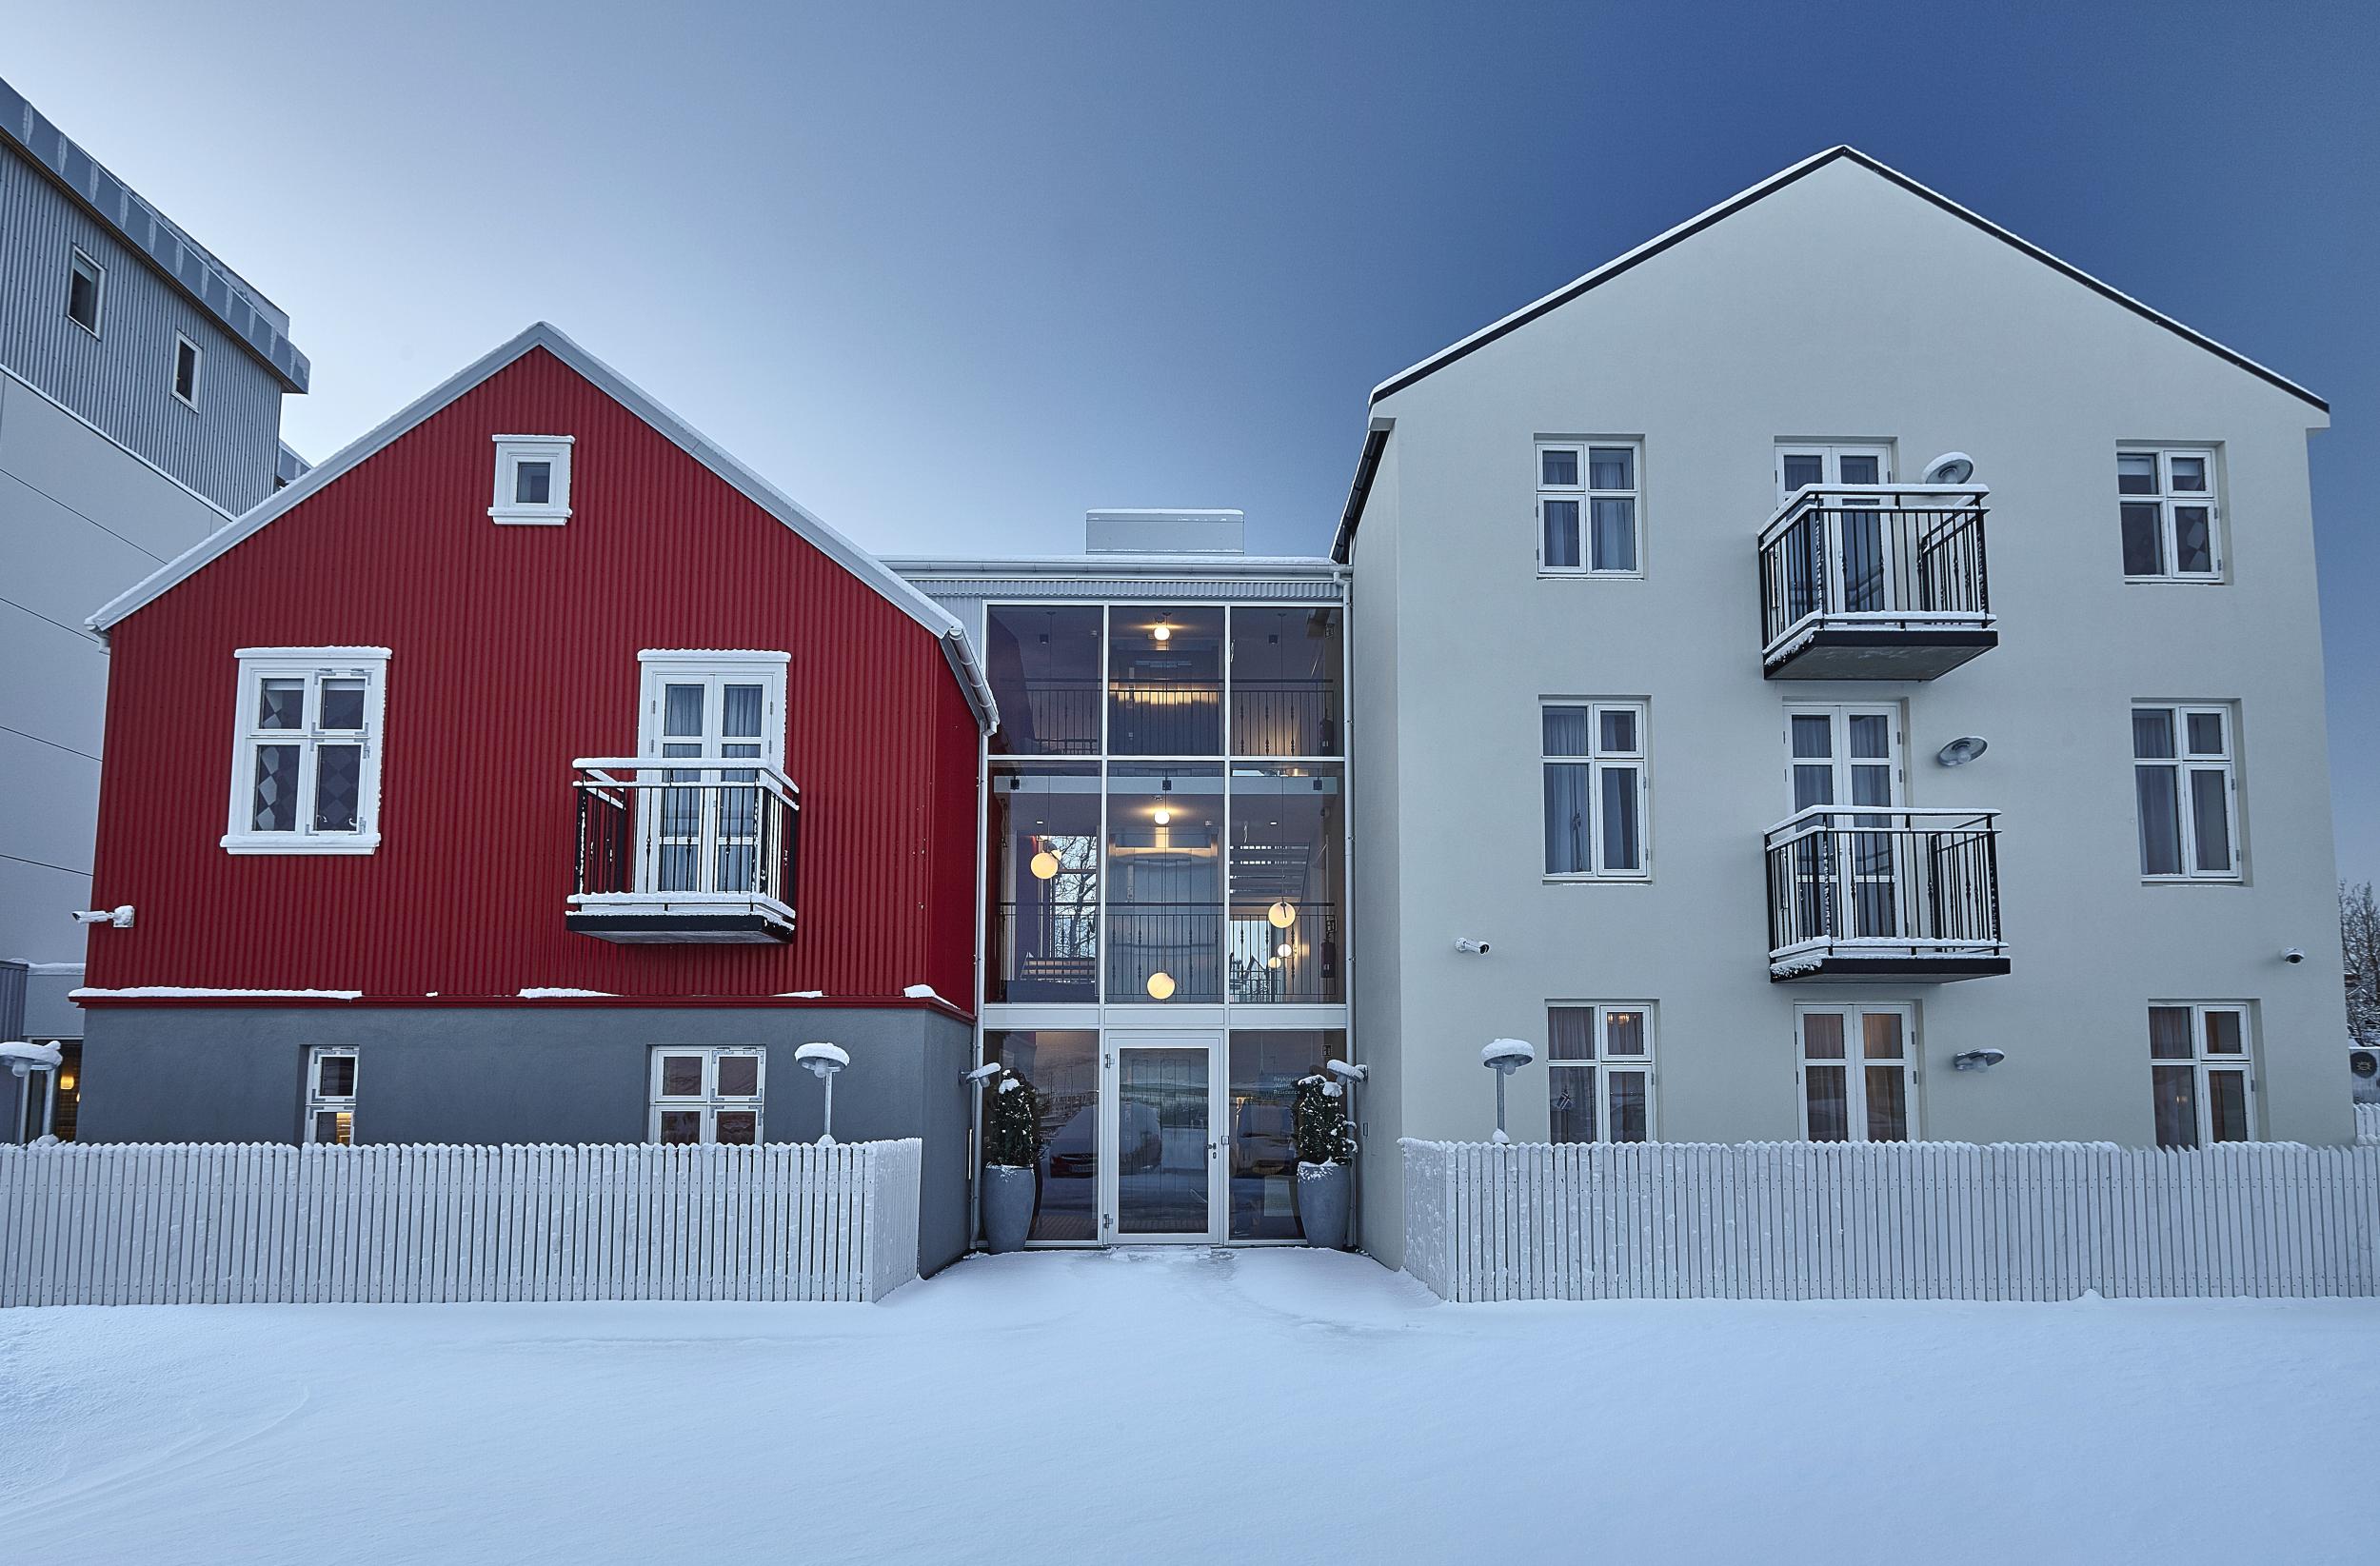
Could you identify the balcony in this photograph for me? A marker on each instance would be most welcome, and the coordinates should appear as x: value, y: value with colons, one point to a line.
x: 699, y: 851
x: 1908, y: 896
x: 1875, y: 581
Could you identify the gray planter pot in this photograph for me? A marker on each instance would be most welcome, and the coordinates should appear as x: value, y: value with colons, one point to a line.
x: 1323, y: 1204
x: 1007, y: 1207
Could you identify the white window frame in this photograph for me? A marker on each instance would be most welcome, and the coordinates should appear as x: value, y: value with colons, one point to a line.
x: 313, y: 666
x: 320, y: 1103
x: 2185, y: 765
x: 511, y: 451
x: 1855, y: 1062
x: 2164, y: 500
x: 1583, y: 495
x: 2205, y: 1063
x: 660, y: 669
x: 198, y: 365
x: 77, y: 259
x: 1830, y: 455
x: 709, y: 1101
x: 1601, y: 765
x: 1605, y: 1065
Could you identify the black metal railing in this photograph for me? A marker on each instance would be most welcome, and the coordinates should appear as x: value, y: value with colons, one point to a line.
x: 697, y: 827
x: 1910, y: 556
x: 1296, y: 964
x: 1181, y: 940
x: 1042, y: 950
x: 1060, y: 717
x: 1175, y: 718
x: 1284, y: 718
x: 1165, y: 717
x: 1883, y: 883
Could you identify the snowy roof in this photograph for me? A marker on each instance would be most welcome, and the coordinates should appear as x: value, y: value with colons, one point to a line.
x: 861, y: 563
x: 1378, y: 435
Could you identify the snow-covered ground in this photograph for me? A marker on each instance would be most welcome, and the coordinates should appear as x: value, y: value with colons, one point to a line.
x: 1249, y: 1407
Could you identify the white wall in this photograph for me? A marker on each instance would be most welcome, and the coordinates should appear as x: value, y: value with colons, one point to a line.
x: 81, y: 520
x: 1839, y: 306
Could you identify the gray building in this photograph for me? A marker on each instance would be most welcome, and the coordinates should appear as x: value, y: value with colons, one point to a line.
x: 1775, y: 807
x: 140, y: 410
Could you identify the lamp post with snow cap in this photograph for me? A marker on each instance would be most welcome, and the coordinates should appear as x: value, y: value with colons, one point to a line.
x: 24, y: 1060
x: 824, y: 1060
x: 1504, y: 1057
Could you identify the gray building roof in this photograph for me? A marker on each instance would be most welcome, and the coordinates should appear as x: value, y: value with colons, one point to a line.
x: 255, y: 320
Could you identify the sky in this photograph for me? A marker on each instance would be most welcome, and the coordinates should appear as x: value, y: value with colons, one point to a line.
x: 953, y: 275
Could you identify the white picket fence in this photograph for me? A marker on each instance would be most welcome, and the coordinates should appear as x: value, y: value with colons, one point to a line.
x: 2368, y: 1122
x: 1924, y: 1220
x: 216, y: 1223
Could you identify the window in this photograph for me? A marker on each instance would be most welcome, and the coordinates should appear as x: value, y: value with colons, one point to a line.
x: 1587, y: 520
x: 2167, y: 501
x: 85, y: 291
x: 2184, y: 773
x: 186, y: 357
x: 330, y: 1095
x: 1599, y: 1072
x: 719, y: 834
x: 1595, y: 788
x: 706, y: 1093
x: 305, y: 766
x: 1800, y: 467
x: 532, y: 480
x: 2200, y: 1073
x: 1858, y: 1072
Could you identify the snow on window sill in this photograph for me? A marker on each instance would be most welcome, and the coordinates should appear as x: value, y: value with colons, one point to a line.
x: 530, y: 516
x: 298, y: 842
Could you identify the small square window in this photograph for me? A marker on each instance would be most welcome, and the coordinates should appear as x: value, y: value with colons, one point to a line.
x: 1561, y: 469
x: 185, y: 363
x: 85, y: 291
x: 532, y: 480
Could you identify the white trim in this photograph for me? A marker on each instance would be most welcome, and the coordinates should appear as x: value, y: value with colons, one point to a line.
x: 1603, y: 1065
x: 505, y: 506
x: 2185, y: 763
x: 1582, y: 494
x: 904, y: 596
x: 2169, y: 500
x: 173, y: 374
x: 2204, y: 1063
x: 310, y: 666
x: 1598, y: 763
x: 709, y: 1102
x: 1855, y: 1063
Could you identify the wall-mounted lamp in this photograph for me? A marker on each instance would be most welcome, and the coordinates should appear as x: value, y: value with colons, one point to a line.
x: 1962, y: 750
x: 1951, y: 467
x: 1978, y: 1059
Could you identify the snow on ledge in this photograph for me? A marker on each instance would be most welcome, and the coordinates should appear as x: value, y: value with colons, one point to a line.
x: 39, y: 1054
x: 799, y: 995
x: 195, y: 992
x: 563, y: 993
x: 921, y: 992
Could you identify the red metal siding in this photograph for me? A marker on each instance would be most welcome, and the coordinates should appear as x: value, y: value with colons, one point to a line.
x: 514, y: 649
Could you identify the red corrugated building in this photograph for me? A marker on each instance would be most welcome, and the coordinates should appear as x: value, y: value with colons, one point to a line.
x: 379, y: 796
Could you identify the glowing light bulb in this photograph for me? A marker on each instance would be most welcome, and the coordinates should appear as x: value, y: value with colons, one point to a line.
x: 1044, y: 865
x: 1163, y: 815
x: 1160, y: 985
x: 1162, y: 633
x: 1281, y: 915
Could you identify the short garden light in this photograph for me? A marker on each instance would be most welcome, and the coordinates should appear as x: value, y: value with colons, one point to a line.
x: 1504, y: 1057
x: 824, y: 1059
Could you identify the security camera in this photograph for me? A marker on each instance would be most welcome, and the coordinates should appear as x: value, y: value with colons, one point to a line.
x: 2294, y: 955
x: 1476, y: 948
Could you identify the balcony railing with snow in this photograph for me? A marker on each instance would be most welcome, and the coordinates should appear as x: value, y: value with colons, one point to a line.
x: 690, y: 849
x: 1897, y: 894
x: 1875, y: 581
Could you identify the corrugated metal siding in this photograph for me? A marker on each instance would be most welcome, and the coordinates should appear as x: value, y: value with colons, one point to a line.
x: 123, y: 380
x: 514, y: 651
x: 1184, y: 589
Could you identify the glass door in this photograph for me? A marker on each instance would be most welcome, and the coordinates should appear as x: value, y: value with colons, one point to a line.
x: 705, y: 838
x: 1161, y: 1169
x: 1850, y: 884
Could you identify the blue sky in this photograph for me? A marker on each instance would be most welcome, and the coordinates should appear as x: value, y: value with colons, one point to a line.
x: 953, y: 275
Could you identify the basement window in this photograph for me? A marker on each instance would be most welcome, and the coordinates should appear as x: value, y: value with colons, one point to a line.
x: 330, y: 1095
x: 532, y: 480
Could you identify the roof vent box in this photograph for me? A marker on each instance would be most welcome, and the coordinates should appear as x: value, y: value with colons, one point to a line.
x: 1165, y: 532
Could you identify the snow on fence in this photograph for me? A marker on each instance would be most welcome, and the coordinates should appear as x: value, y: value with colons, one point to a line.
x: 214, y: 1223
x: 2368, y: 1122
x: 1922, y: 1221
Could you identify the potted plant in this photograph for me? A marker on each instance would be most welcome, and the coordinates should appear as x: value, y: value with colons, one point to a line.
x: 1326, y: 1148
x: 1012, y: 1152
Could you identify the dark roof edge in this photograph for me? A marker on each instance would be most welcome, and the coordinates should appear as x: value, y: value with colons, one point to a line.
x: 1375, y: 442
x: 1777, y: 182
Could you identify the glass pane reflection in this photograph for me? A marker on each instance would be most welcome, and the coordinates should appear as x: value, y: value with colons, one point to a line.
x: 1161, y: 1147
x: 1062, y: 1066
x: 1265, y: 1071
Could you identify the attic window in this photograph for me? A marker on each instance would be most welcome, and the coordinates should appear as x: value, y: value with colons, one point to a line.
x: 532, y: 480
x: 86, y: 288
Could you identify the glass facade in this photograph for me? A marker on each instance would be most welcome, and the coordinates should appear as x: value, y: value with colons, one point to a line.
x: 1265, y: 1066
x: 1062, y: 1066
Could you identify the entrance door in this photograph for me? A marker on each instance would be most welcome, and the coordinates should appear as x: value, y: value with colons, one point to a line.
x: 1160, y: 1168
x: 1851, y: 575
x: 1848, y: 883
x: 706, y: 838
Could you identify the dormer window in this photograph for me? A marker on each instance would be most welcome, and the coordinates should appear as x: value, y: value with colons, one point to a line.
x: 532, y: 480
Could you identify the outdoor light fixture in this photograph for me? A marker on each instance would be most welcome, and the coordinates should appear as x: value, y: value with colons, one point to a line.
x: 1160, y: 985
x: 1163, y: 815
x: 1164, y: 632
x: 1951, y: 467
x: 1283, y: 950
x: 823, y: 1060
x: 1165, y: 786
x: 1978, y: 1059
x: 1044, y: 865
x: 1962, y: 750
x: 1504, y: 1057
x: 1281, y: 915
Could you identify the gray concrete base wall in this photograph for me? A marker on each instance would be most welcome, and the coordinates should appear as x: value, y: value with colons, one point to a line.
x: 564, y: 1074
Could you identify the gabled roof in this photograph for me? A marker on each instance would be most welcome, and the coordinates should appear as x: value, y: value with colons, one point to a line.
x: 637, y: 401
x: 1652, y: 248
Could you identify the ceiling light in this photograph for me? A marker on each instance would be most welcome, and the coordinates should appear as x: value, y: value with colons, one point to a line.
x: 1044, y: 865
x: 1160, y: 985
x: 1281, y: 915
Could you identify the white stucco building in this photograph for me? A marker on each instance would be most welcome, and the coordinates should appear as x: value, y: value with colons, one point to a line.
x: 1649, y: 586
